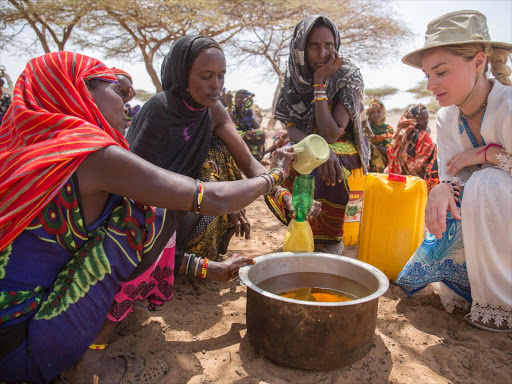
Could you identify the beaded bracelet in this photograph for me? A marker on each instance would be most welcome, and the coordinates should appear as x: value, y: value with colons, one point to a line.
x: 318, y: 85
x: 204, y: 269
x: 281, y: 193
x: 199, y: 196
x: 320, y: 99
x: 278, y: 174
x: 455, y: 189
x: 98, y: 347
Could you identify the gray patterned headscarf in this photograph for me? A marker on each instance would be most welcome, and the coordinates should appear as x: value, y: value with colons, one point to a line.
x: 295, y: 101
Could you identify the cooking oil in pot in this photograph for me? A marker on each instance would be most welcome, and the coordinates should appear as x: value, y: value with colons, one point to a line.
x: 314, y: 286
x: 323, y: 295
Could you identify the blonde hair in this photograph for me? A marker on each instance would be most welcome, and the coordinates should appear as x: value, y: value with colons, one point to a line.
x: 497, y: 57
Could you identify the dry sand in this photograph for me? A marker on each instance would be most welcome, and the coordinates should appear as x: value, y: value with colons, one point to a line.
x: 202, y: 334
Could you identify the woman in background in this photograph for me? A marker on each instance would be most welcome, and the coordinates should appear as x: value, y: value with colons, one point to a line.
x: 383, y: 134
x: 246, y: 124
x: 411, y: 149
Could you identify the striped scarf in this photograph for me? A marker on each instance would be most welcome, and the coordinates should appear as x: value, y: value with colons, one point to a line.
x: 49, y: 129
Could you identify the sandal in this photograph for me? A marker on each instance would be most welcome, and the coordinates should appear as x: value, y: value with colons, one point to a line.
x: 491, y: 327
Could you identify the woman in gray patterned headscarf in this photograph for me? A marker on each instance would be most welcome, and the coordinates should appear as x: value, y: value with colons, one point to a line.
x: 322, y: 94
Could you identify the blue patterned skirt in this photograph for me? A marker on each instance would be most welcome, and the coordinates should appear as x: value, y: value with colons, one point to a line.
x: 438, y: 260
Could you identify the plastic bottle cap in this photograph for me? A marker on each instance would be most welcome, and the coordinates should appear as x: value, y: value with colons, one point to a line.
x: 398, y: 178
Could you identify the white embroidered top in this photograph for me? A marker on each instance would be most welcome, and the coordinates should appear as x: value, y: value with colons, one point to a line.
x: 496, y: 128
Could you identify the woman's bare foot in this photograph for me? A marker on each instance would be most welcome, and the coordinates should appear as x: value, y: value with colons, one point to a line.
x: 97, y: 367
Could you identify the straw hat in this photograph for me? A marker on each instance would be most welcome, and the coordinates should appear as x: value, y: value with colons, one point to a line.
x: 454, y: 28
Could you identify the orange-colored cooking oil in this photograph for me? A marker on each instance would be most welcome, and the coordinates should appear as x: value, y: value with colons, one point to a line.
x: 323, y: 295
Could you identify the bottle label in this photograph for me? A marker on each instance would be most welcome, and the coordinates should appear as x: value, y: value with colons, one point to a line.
x: 354, y: 207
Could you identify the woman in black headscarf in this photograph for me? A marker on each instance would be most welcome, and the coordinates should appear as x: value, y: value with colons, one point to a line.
x: 322, y: 94
x: 187, y: 130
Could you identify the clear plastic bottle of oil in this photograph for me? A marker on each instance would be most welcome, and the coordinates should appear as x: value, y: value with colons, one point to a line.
x: 299, y: 236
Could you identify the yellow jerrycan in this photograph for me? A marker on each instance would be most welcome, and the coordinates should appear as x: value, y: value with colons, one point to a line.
x: 393, y: 221
x: 298, y: 237
x: 354, y: 207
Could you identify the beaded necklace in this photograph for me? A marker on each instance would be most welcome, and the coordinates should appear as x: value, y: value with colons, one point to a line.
x: 480, y: 109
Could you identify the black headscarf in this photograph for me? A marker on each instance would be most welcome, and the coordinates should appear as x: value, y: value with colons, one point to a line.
x: 295, y: 101
x: 171, y: 130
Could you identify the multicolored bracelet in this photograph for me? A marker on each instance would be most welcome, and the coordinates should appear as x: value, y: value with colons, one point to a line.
x: 98, y: 347
x: 280, y: 194
x: 204, y: 269
x: 455, y: 189
x: 278, y: 174
x: 198, y: 199
x: 320, y: 99
x: 318, y: 85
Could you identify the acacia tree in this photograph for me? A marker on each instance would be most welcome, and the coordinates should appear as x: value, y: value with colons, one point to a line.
x: 379, y: 93
x: 421, y: 92
x: 52, y: 21
x: 370, y: 31
x: 134, y: 28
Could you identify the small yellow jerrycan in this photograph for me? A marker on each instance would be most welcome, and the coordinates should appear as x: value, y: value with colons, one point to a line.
x: 393, y: 221
x: 299, y: 236
x: 354, y: 207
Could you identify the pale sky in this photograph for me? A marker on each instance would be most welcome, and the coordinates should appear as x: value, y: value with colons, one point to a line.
x: 415, y: 14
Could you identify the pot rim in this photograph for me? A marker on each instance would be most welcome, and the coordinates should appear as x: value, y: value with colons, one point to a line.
x: 379, y: 275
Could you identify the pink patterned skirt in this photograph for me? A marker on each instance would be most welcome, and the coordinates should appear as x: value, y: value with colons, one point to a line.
x: 154, y: 285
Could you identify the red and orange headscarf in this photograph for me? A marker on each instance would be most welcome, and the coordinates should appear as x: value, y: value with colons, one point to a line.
x: 49, y: 129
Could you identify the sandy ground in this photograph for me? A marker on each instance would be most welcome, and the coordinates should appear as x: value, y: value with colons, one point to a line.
x: 202, y: 334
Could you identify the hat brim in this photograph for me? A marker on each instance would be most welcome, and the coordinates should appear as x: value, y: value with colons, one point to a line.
x: 415, y: 58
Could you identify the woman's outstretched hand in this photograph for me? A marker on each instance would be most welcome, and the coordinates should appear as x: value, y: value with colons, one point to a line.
x: 226, y: 270
x: 283, y: 157
x: 439, y: 202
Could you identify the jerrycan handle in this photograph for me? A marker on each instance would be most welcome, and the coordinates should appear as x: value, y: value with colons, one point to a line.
x: 397, y: 178
x: 298, y: 149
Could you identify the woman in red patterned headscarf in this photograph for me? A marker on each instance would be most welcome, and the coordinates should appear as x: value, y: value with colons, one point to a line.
x: 75, y: 253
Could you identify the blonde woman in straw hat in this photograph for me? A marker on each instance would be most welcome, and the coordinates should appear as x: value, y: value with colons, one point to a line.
x: 469, y: 214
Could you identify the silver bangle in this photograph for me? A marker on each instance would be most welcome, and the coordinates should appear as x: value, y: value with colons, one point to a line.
x: 197, y: 264
x: 271, y: 182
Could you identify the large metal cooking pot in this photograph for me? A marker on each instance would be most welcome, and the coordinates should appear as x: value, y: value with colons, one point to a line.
x: 311, y: 335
